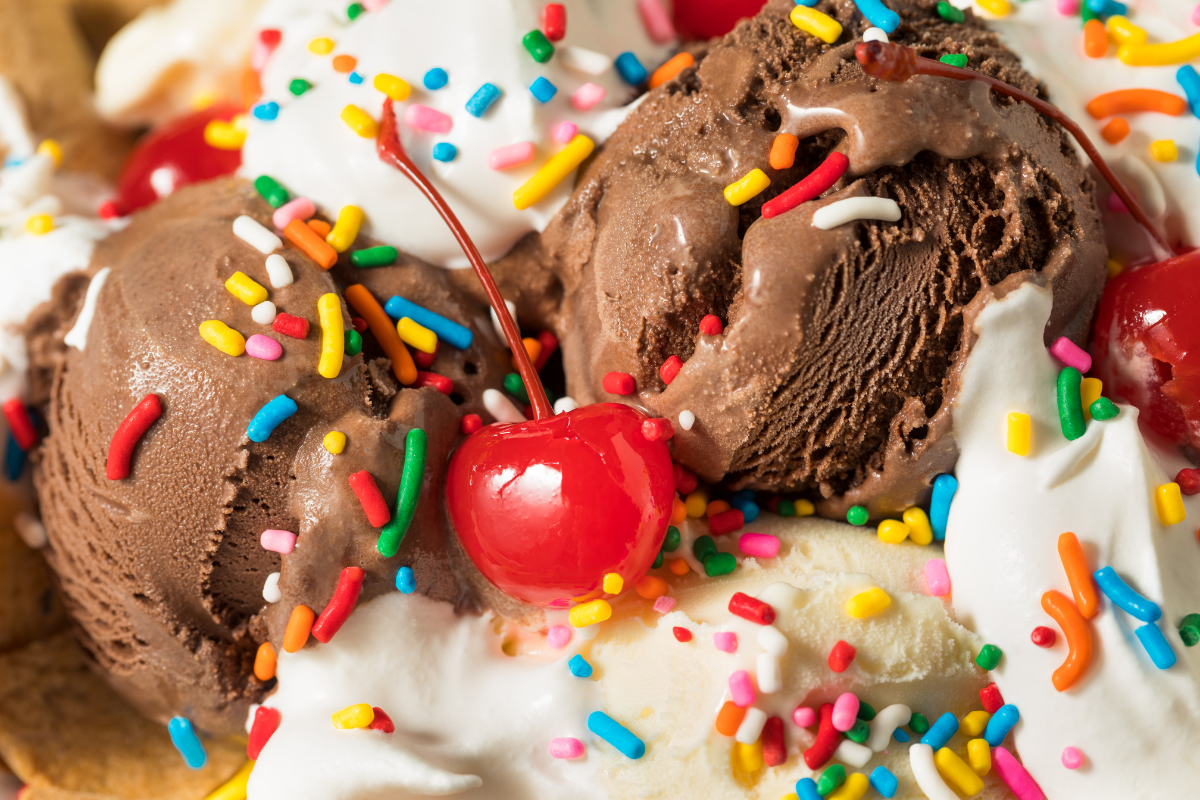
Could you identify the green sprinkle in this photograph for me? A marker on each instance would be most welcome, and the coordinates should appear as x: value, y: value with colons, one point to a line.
x: 704, y: 547
x: 1086, y: 14
x: 671, y: 543
x: 1070, y: 405
x: 859, y: 731
x: 954, y: 60
x: 1189, y: 630
x: 416, y: 447
x: 949, y: 12
x: 1102, y: 408
x: 299, y: 86
x: 538, y: 46
x: 658, y: 560
x: 354, y: 11
x: 719, y: 564
x: 271, y: 191
x: 857, y: 515
x: 353, y: 342
x: 382, y: 256
x: 989, y: 657
x: 516, y: 387
x: 865, y: 711
x: 833, y: 777
x: 918, y: 724
x: 786, y: 508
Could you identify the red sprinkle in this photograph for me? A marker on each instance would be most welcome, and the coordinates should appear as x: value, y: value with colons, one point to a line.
x: 296, y: 327
x: 20, y: 424
x: 270, y: 36
x: 554, y: 21
x: 266, y: 722
x: 811, y: 187
x: 345, y: 597
x: 382, y: 722
x: 658, y: 429
x: 682, y: 634
x: 360, y: 324
x: 747, y: 607
x: 773, y: 504
x: 1043, y: 636
x: 991, y: 698
x: 470, y: 424
x: 1189, y: 481
x: 670, y: 368
x: 129, y: 432
x: 726, y: 522
x: 439, y: 382
x: 425, y: 360
x: 774, y: 747
x: 621, y: 383
x: 108, y: 210
x: 370, y: 498
x: 549, y: 345
x: 711, y: 326
x: 827, y: 741
x: 685, y: 481
x: 841, y: 656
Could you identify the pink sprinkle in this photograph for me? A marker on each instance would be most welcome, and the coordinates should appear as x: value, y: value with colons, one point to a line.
x: 276, y: 541
x: 937, y: 577
x: 1116, y: 204
x: 300, y: 208
x: 1071, y: 354
x: 558, y: 637
x: 264, y: 347
x: 741, y: 688
x: 1068, y: 8
x: 565, y: 132
x: 664, y: 604
x: 1012, y: 773
x: 1196, y: 15
x: 657, y: 21
x: 587, y: 96
x: 424, y: 118
x: 759, y: 545
x: 511, y: 155
x: 804, y: 717
x: 1072, y: 758
x: 845, y: 712
x: 725, y: 642
x: 566, y: 747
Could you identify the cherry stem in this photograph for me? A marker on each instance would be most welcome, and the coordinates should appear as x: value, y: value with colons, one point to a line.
x: 392, y: 152
x: 888, y: 61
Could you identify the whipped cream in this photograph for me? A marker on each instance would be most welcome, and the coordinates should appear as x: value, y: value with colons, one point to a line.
x: 313, y: 152
x: 1137, y: 726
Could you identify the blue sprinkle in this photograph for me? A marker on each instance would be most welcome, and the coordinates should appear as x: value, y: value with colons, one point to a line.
x: 1157, y: 646
x: 939, y: 507
x: 900, y: 735
x: 883, y: 781
x: 268, y: 418
x: 444, y: 151
x: 806, y: 789
x: 806, y: 3
x: 1189, y: 81
x: 14, y: 459
x: 744, y: 494
x: 749, y: 508
x: 186, y: 742
x: 13, y: 161
x: 616, y: 734
x: 435, y: 79
x: 543, y: 90
x: 937, y: 736
x: 631, y: 69
x: 482, y: 100
x: 406, y: 582
x: 1000, y: 724
x: 449, y: 332
x: 1107, y: 8
x: 267, y: 111
x: 1125, y: 597
x: 878, y: 14
x: 579, y: 666
x: 356, y: 77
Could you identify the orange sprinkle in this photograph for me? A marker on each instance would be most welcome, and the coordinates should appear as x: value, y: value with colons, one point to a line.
x: 1079, y: 638
x: 1078, y: 575
x: 716, y: 507
x: 679, y: 566
x: 264, y: 662
x: 678, y: 511
x: 1115, y: 130
x: 729, y: 718
x: 651, y: 587
x: 299, y: 626
x: 344, y: 63
x: 1131, y: 101
x: 783, y: 151
x: 533, y: 348
x: 304, y: 237
x: 366, y: 306
x: 251, y: 88
x: 1095, y: 39
x: 669, y: 70
x: 320, y: 226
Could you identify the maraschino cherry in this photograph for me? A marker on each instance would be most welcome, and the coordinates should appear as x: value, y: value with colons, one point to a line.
x: 704, y: 19
x: 546, y: 508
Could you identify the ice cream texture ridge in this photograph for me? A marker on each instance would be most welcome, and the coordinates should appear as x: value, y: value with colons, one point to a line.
x: 599, y: 399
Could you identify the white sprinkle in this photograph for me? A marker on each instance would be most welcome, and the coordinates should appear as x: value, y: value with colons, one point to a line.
x: 853, y: 753
x: 77, y: 336
x: 564, y: 404
x: 264, y: 313
x: 781, y: 597
x: 162, y: 181
x: 30, y: 529
x: 1148, y: 190
x: 271, y: 590
x: 770, y: 675
x: 920, y: 758
x: 875, y: 35
x: 752, y: 725
x: 500, y: 407
x: 686, y: 420
x: 254, y: 234
x: 583, y: 60
x: 885, y: 723
x: 278, y: 271
x: 852, y: 208
x: 512, y: 310
x: 771, y: 640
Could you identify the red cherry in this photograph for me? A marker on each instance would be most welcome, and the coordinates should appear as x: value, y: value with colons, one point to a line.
x: 178, y: 147
x: 1146, y: 345
x: 704, y: 19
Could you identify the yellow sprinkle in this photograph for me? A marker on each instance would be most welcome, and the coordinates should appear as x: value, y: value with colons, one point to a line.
x: 790, y: 796
x: 1122, y: 31
x: 854, y: 788
x: 335, y: 442
x: 1169, y: 502
x: 241, y: 286
x: 321, y: 46
x: 749, y: 756
x: 395, y: 88
x: 805, y: 508
x: 1020, y: 431
x: 999, y: 8
x: 416, y: 335
x: 235, y: 787
x: 1164, y: 150
x: 919, y: 529
x: 360, y: 121
x: 751, y: 184
x: 1089, y: 392
x: 39, y: 224
x: 867, y: 603
x: 956, y: 772
x: 560, y: 165
x: 822, y: 26
x: 52, y: 150
x: 613, y: 583
x: 696, y: 504
x: 892, y: 531
x: 979, y: 755
x: 224, y: 135
x: 1115, y: 268
x: 223, y: 337
x: 359, y: 715
x: 345, y: 230
x: 1160, y: 55
x: 333, y: 335
x: 973, y: 724
x: 589, y: 613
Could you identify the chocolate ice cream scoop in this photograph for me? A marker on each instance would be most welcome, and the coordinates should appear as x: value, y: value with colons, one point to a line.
x: 163, y: 572
x: 836, y: 368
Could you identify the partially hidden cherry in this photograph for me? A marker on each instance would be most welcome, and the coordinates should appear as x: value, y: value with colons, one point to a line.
x: 175, y: 155
x: 1146, y: 345
x: 704, y: 19
x: 546, y: 508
